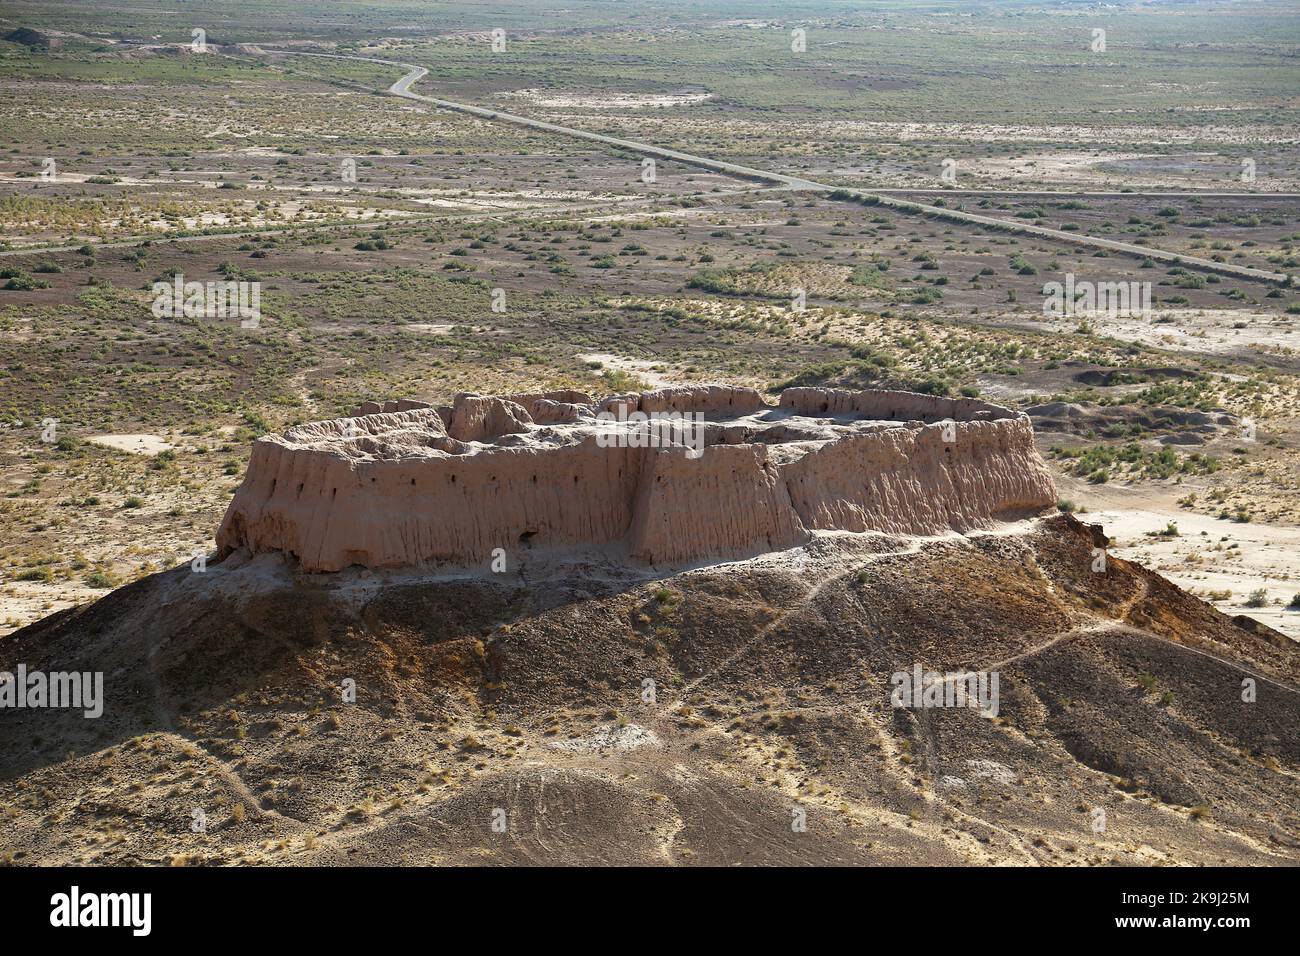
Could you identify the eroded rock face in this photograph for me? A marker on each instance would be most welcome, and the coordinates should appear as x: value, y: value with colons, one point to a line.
x: 417, y: 485
x: 481, y: 418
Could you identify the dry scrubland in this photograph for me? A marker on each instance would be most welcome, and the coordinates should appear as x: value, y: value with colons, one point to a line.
x: 1178, y: 429
x: 607, y: 303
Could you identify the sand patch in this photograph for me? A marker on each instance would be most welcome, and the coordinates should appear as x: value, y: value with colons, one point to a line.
x: 1195, y: 330
x: 434, y: 328
x: 642, y: 369
x: 1104, y: 136
x: 136, y: 444
x: 25, y: 602
x: 611, y: 101
x: 1221, y: 561
x: 1054, y: 166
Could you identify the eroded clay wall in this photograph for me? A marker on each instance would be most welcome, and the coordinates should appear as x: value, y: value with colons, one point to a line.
x: 329, y: 513
x: 915, y: 481
x: 395, y: 489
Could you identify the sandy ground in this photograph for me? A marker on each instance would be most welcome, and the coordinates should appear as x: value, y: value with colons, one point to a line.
x: 611, y: 101
x: 646, y: 371
x: 1141, y: 136
x: 22, y: 602
x: 1207, y: 555
x: 1056, y: 167
x: 137, y: 444
x: 1195, y: 330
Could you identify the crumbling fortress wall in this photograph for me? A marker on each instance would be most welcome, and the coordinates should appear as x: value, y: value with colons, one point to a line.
x: 410, y: 484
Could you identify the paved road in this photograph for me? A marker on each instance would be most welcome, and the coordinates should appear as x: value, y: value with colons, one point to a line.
x: 416, y: 73
x: 1102, y: 194
x: 1075, y: 239
x: 866, y: 197
x: 885, y: 198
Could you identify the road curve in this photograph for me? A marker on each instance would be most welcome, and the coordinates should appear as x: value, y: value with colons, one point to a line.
x: 414, y: 74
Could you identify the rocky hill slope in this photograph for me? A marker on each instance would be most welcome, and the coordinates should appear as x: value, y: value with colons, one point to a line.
x: 737, y: 713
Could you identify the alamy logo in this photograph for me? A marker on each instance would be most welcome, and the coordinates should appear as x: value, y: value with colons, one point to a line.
x: 917, y: 688
x: 1114, y: 299
x: 36, y: 689
x: 208, y: 300
x: 653, y: 430
x: 75, y: 909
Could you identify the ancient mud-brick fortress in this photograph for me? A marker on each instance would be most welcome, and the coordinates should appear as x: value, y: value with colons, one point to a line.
x: 411, y: 484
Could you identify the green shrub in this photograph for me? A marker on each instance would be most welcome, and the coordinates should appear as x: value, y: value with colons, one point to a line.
x: 20, y: 281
